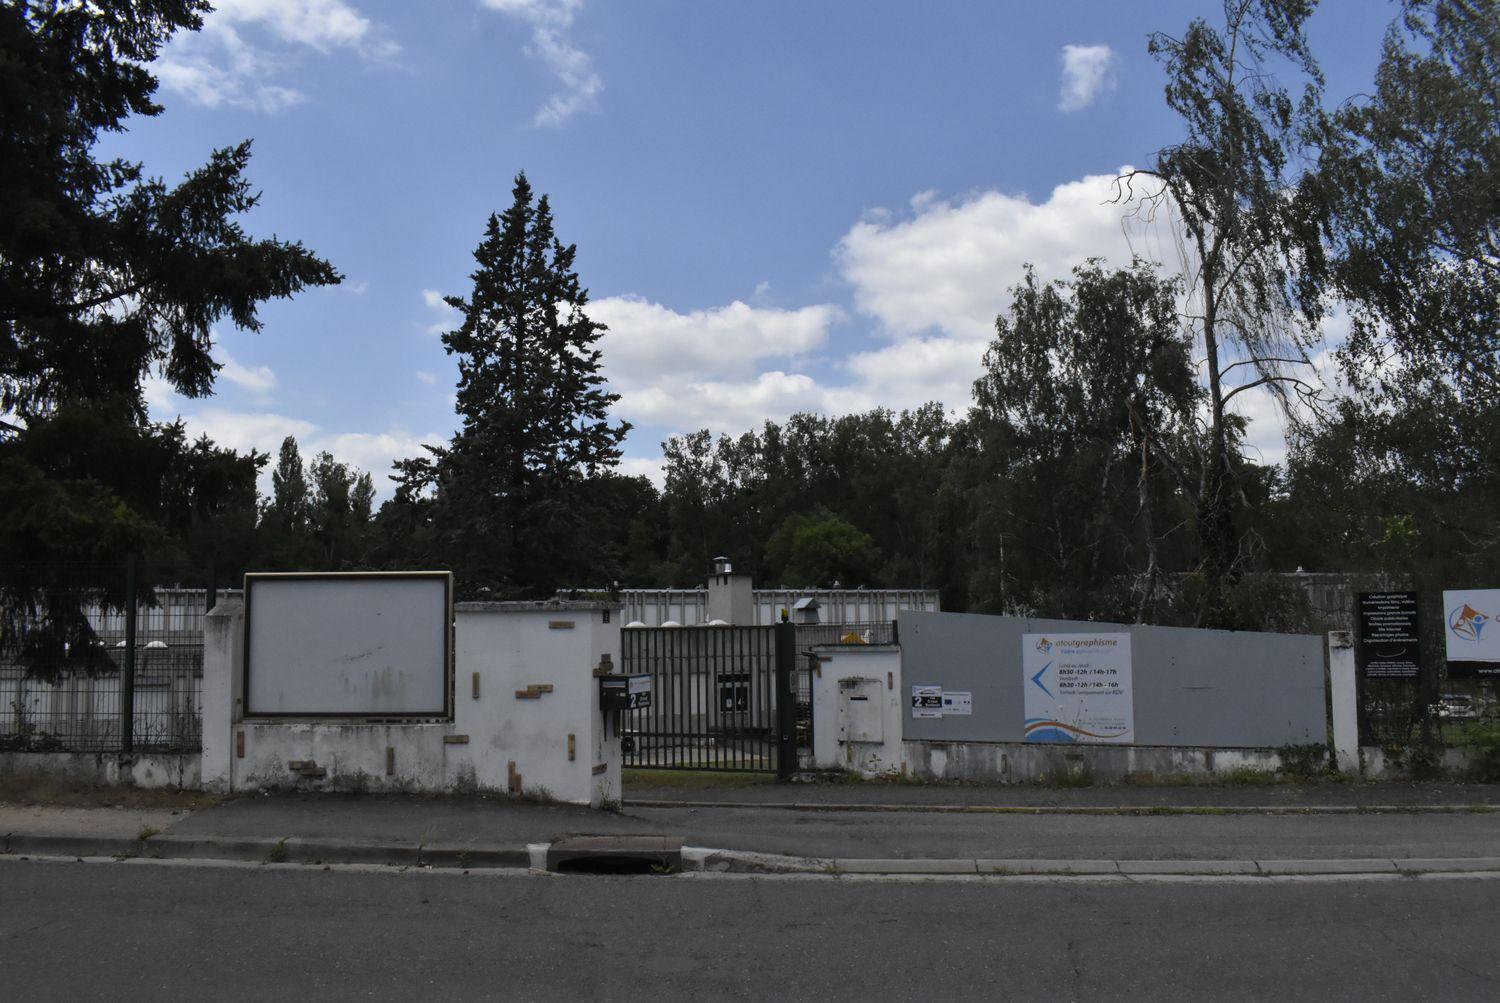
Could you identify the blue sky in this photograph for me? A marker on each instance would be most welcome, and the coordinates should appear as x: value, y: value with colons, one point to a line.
x: 778, y: 206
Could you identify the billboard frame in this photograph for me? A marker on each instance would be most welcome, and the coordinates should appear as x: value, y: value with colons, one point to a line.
x: 405, y: 717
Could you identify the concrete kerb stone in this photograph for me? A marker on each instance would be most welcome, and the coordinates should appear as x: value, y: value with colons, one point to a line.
x: 899, y: 866
x: 1048, y: 866
x: 1346, y: 866
x: 1419, y: 865
x: 1189, y: 867
x: 982, y: 809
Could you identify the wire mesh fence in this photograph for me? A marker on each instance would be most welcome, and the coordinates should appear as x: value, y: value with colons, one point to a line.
x: 102, y: 657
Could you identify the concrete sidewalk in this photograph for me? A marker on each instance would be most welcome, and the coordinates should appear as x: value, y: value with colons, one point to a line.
x: 502, y: 832
x: 663, y: 789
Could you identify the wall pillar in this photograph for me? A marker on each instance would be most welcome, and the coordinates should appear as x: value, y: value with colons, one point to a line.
x: 1343, y: 692
x: 223, y: 656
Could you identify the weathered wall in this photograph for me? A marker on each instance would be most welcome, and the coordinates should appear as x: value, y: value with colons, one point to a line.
x: 1043, y: 762
x: 852, y: 688
x: 498, y: 739
x: 106, y: 769
x: 1196, y: 688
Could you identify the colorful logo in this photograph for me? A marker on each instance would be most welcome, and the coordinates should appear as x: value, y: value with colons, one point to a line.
x: 1467, y: 622
x: 1044, y: 646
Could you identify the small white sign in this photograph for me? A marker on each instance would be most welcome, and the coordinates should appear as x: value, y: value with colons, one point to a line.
x: 1469, y: 624
x: 1078, y: 688
x: 957, y: 703
x: 926, y: 701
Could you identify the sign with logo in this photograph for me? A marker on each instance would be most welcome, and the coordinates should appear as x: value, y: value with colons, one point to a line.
x: 1078, y: 688
x: 1472, y: 636
x: 957, y: 703
x: 1389, y: 636
x: 926, y: 701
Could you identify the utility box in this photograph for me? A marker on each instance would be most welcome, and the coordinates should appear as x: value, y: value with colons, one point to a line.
x: 861, y: 711
x: 624, y: 692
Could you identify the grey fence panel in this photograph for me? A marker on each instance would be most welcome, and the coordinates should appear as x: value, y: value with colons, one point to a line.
x: 1201, y: 688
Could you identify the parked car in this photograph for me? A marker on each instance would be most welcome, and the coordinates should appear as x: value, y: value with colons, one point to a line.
x: 1457, y: 707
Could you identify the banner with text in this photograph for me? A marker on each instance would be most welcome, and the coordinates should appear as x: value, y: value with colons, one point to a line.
x: 1078, y: 688
x: 1473, y: 639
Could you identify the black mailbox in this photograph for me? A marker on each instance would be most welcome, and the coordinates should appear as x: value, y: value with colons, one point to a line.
x: 624, y: 692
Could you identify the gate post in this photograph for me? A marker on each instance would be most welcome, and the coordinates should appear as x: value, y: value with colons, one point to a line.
x: 127, y: 671
x: 786, y: 701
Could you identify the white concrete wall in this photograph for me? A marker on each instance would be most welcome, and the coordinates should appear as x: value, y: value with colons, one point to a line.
x: 873, y: 673
x: 497, y: 740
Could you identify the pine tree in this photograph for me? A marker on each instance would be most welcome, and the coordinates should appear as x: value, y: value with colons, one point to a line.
x: 290, y: 494
x: 507, y: 507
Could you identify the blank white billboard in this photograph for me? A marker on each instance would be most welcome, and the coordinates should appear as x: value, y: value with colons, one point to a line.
x: 373, y: 644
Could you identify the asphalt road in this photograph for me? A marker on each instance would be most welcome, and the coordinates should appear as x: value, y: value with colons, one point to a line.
x: 140, y: 930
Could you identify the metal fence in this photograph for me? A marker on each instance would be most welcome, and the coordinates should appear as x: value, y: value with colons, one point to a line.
x: 101, y: 657
x: 714, y: 702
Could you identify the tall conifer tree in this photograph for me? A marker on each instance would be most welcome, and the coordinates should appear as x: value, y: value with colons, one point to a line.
x: 507, y: 508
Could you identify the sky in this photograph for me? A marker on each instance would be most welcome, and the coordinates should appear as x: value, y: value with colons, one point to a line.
x: 778, y: 206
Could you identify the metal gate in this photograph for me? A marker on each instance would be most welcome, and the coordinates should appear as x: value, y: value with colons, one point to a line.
x: 721, y: 698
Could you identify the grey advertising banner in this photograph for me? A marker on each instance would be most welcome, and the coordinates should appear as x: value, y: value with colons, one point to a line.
x: 1201, y: 688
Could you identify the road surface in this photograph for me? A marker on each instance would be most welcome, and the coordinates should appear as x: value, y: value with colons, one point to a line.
x: 164, y: 931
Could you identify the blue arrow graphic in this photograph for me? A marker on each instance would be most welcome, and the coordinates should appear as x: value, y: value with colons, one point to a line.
x: 1038, y: 679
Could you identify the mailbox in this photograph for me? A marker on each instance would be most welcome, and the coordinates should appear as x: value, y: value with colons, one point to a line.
x: 624, y: 692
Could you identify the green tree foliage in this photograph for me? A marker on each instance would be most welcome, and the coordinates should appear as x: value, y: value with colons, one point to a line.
x: 104, y: 272
x: 877, y: 471
x: 509, y: 507
x: 106, y: 275
x: 1248, y: 225
x: 1412, y: 173
x: 290, y: 494
x: 822, y: 551
x: 1082, y: 417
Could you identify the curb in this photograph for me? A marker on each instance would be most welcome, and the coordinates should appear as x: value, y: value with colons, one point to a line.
x: 267, y: 850
x: 968, y: 809
x: 705, y: 860
x: 734, y: 862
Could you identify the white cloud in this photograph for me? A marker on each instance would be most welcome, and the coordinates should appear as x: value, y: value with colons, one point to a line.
x: 723, y: 406
x: 647, y: 342
x: 258, y: 380
x: 573, y: 67
x: 220, y: 66
x: 653, y: 468
x: 446, y: 317
x: 425, y: 377
x: 948, y: 265
x: 371, y: 452
x: 246, y: 430
x: 1088, y: 71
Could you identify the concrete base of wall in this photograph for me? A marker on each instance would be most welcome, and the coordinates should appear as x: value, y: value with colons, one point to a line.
x: 1377, y: 764
x: 100, y: 769
x: 1020, y: 762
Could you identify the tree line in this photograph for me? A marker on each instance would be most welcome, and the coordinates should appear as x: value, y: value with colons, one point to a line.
x: 1099, y: 469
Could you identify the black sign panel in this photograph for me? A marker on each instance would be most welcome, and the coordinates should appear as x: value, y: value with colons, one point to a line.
x: 1390, y: 641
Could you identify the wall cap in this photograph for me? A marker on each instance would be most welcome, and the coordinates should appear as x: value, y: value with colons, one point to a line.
x: 537, y: 606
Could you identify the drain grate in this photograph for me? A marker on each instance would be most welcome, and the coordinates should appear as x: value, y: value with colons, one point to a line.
x: 615, y: 855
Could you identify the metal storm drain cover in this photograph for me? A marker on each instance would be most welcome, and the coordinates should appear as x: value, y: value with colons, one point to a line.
x: 615, y: 855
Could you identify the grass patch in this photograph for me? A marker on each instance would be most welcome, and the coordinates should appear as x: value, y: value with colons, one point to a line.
x: 277, y: 854
x: 694, y: 780
x: 146, y: 833
x: 55, y: 792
